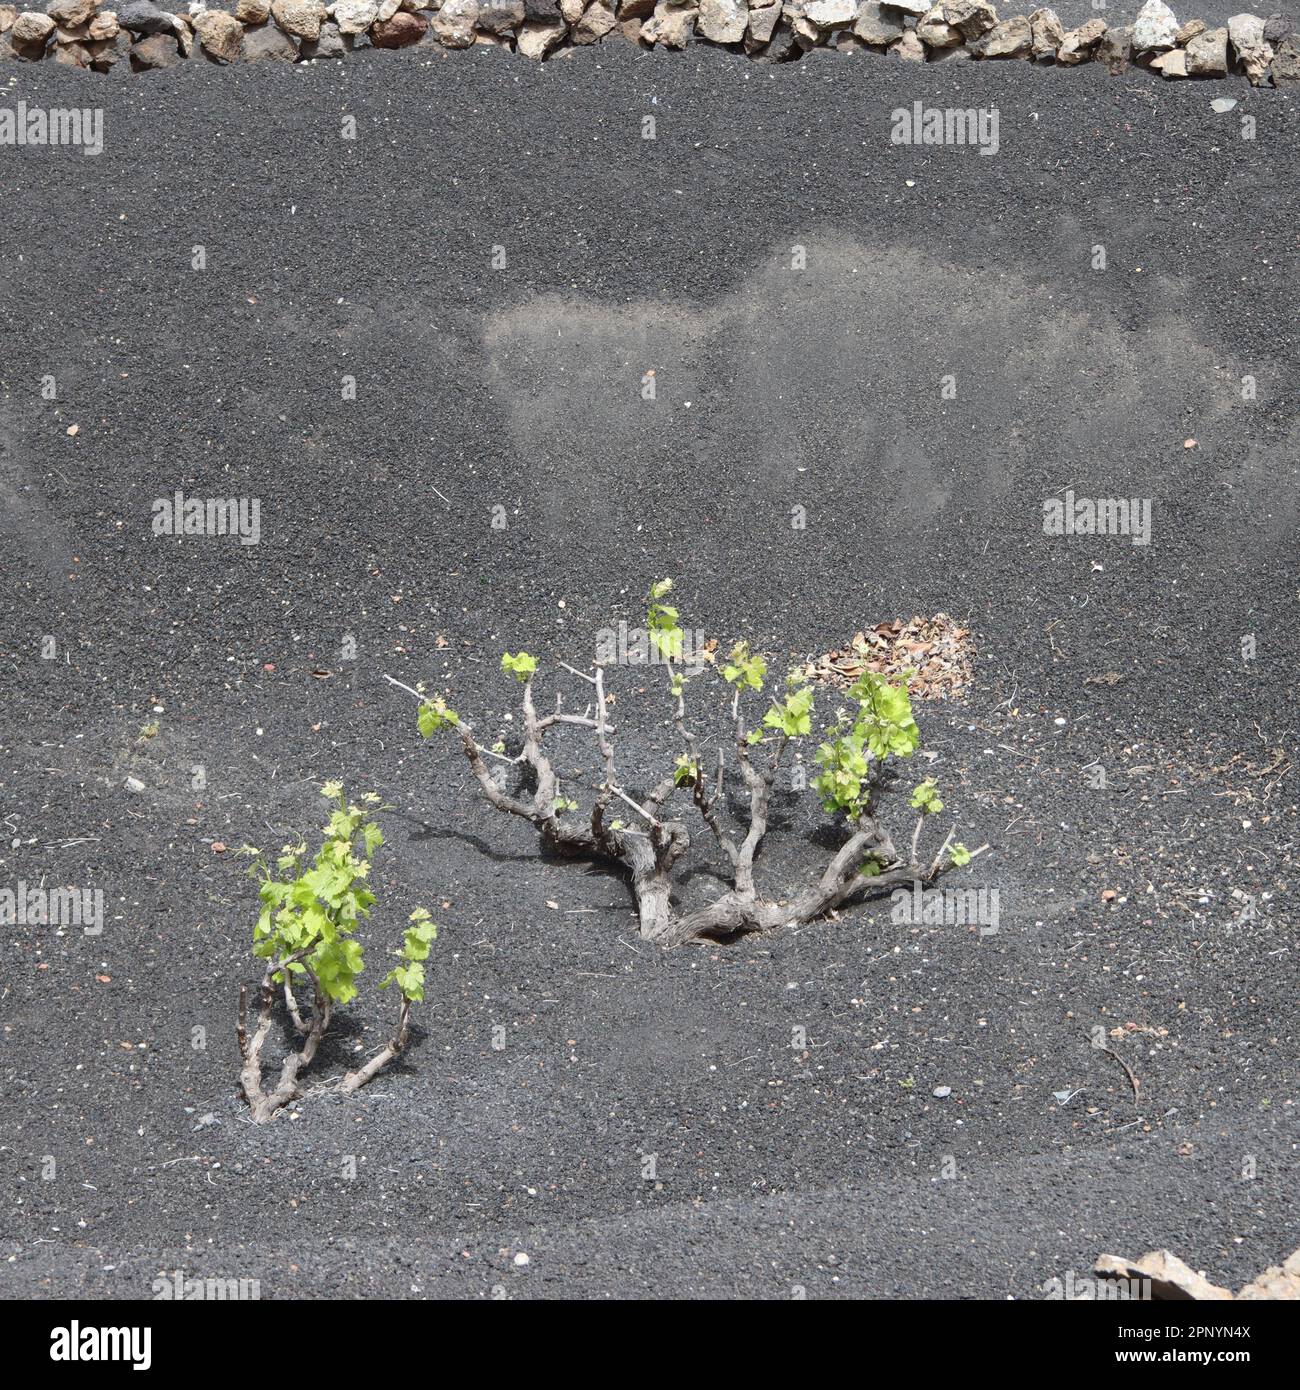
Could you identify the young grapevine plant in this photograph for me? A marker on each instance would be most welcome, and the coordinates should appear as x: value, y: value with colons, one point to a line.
x: 874, y: 730
x: 306, y: 933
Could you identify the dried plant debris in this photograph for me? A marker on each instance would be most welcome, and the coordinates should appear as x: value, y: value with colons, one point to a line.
x: 935, y: 655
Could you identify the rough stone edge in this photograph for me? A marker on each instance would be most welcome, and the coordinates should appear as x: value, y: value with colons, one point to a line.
x: 138, y: 36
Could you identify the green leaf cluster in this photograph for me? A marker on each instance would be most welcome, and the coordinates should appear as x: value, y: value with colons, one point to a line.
x: 523, y: 667
x: 311, y: 910
x: 434, y: 715
x: 845, y: 767
x: 792, y: 716
x: 885, y: 716
x: 666, y: 636
x: 882, y: 726
x: 743, y: 669
x: 409, y: 975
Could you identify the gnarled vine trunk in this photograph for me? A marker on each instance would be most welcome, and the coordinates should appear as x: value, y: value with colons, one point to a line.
x: 649, y: 854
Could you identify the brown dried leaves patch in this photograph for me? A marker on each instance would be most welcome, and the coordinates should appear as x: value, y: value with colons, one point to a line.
x: 935, y: 654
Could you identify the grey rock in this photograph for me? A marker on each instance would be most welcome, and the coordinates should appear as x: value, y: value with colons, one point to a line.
x: 935, y: 32
x: 829, y: 14
x: 671, y: 26
x: 331, y: 43
x: 71, y: 14
x: 723, y: 21
x: 971, y: 17
x: 453, y: 25
x: 1246, y: 33
x: 1045, y: 26
x: 301, y: 18
x: 155, y: 51
x: 598, y: 19
x: 1245, y: 30
x: 1115, y: 49
x: 909, y: 48
x: 1207, y: 54
x: 1278, y: 26
x: 1079, y: 44
x: 141, y: 17
x: 501, y: 16
x: 108, y: 53
x: 72, y: 54
x: 1009, y: 38
x: 220, y: 35
x: 876, y: 24
x: 1285, y: 66
x: 782, y: 44
x: 806, y: 34
x: 762, y: 25
x: 30, y: 28
x: 266, y: 43
x: 1171, y: 64
x: 355, y: 16
x: 537, y: 37
x: 1155, y: 27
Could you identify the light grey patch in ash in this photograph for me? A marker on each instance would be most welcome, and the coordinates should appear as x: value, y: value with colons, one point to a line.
x: 28, y: 528
x: 826, y: 387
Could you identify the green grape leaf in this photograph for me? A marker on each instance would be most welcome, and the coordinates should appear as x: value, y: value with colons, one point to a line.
x: 743, y: 669
x: 435, y: 715
x: 521, y: 666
